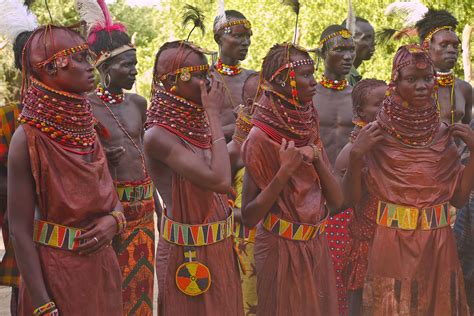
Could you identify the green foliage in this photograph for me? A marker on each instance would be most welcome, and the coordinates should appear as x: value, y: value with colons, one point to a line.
x: 271, y: 21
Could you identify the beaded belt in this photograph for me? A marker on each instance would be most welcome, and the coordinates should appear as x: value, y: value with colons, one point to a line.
x: 243, y: 232
x: 129, y: 191
x: 196, y: 235
x: 57, y: 236
x: 406, y: 217
x: 293, y: 231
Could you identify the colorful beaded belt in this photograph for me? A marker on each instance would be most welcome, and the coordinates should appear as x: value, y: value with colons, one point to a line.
x: 196, y: 235
x: 243, y: 232
x: 129, y: 192
x: 293, y: 231
x: 56, y: 236
x: 406, y: 217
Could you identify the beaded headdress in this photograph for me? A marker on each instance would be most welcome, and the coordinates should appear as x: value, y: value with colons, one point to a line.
x: 97, y: 16
x: 222, y: 23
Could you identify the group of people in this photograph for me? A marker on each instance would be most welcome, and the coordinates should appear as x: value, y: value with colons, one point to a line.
x: 275, y: 193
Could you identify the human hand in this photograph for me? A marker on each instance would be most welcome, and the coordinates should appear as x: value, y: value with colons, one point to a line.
x: 213, y: 99
x: 369, y: 136
x: 98, y: 234
x: 290, y: 156
x: 114, y: 154
x: 464, y: 132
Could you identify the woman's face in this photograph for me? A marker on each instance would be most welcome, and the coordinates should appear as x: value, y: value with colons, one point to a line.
x: 415, y: 85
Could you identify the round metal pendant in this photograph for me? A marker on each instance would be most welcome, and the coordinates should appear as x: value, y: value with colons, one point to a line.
x: 193, y: 278
x: 185, y: 76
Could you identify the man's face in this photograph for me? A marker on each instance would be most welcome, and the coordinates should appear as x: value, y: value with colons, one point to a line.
x: 122, y: 70
x: 339, y: 55
x: 444, y: 50
x: 235, y: 44
x: 364, y: 39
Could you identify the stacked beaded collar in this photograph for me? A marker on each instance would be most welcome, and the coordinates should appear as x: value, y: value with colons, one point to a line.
x: 338, y: 85
x: 228, y: 70
x: 279, y: 118
x: 65, y: 118
x: 445, y: 79
x: 107, y: 96
x: 181, y: 117
x: 411, y: 126
x: 243, y: 125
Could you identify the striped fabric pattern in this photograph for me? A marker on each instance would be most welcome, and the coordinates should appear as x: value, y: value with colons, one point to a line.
x: 196, y: 235
x: 293, y: 231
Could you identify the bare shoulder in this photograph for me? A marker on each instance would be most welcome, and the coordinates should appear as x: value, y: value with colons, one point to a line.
x: 465, y: 87
x: 18, y: 151
x: 159, y: 143
x: 138, y: 100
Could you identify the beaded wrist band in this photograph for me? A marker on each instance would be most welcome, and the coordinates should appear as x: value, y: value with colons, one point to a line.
x: 121, y: 221
x: 64, y: 52
x: 54, y: 312
x: 45, y: 308
x: 343, y: 33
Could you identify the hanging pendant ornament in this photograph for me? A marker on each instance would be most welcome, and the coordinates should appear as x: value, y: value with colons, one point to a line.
x: 185, y: 75
x: 192, y: 278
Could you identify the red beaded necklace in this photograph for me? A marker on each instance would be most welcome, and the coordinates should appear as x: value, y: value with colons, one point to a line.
x: 279, y: 118
x: 228, y: 70
x: 445, y: 79
x: 333, y: 84
x: 65, y: 120
x: 413, y: 127
x: 181, y: 117
x: 107, y: 96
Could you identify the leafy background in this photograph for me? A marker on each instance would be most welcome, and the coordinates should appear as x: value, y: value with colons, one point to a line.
x: 271, y: 23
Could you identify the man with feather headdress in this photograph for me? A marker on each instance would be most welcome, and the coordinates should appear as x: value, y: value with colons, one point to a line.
x: 121, y: 117
x: 232, y: 32
x: 187, y: 156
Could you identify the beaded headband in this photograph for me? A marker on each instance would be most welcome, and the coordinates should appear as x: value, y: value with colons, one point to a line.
x: 185, y: 72
x: 226, y: 26
x: 63, y: 53
x: 104, y: 55
x: 344, y: 33
x: 293, y: 64
x: 427, y: 40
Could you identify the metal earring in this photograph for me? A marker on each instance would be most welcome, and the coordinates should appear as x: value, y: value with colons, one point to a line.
x: 107, y: 81
x: 283, y: 84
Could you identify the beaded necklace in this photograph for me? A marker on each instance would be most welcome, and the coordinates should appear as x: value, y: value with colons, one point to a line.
x: 333, y: 84
x: 107, y: 96
x: 412, y: 127
x: 228, y: 70
x: 66, y: 121
x: 181, y: 117
x: 279, y: 118
x: 446, y: 79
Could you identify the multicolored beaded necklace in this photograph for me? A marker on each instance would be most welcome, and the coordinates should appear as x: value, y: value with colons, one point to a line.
x: 411, y: 126
x: 446, y: 79
x: 107, y: 96
x: 228, y: 70
x: 66, y: 120
x: 333, y: 84
x: 181, y: 117
x: 279, y: 118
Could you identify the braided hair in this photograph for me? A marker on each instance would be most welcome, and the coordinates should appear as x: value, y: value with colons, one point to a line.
x: 434, y: 19
x: 361, y: 91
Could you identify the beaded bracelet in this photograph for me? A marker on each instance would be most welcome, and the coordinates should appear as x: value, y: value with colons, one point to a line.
x: 54, y: 312
x: 45, y: 308
x: 120, y: 219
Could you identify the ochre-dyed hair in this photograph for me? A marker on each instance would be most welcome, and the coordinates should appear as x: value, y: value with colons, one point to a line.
x: 434, y: 19
x: 277, y: 57
x: 360, y: 91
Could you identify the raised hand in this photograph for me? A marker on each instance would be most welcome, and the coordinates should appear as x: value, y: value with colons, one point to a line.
x: 370, y: 135
x: 213, y: 99
x: 290, y: 156
x: 464, y: 132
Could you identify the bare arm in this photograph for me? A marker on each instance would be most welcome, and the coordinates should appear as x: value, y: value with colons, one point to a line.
x: 256, y: 203
x: 21, y: 211
x: 463, y: 190
x: 163, y: 146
